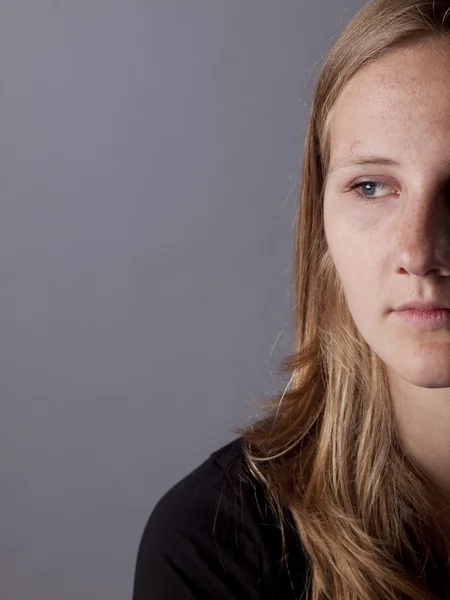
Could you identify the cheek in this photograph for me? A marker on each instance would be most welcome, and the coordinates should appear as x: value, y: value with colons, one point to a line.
x: 343, y: 245
x: 358, y: 255
x: 356, y: 267
x: 360, y: 289
x: 352, y: 276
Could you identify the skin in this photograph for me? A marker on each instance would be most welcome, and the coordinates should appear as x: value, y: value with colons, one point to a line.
x: 395, y: 248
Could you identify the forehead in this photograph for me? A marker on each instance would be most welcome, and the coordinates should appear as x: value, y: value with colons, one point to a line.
x: 400, y: 102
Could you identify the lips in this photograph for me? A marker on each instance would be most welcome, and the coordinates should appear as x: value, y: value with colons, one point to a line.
x: 418, y: 305
x: 425, y: 319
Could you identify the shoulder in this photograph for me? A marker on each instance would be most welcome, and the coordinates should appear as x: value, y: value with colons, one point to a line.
x: 211, y: 532
x: 201, y: 536
x: 216, y: 487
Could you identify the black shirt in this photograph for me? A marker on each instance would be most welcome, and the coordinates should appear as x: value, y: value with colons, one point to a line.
x: 213, y: 536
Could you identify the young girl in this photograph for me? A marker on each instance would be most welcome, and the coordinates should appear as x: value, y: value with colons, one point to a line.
x: 342, y: 490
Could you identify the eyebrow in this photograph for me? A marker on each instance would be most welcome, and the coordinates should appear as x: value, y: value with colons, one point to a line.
x: 371, y: 160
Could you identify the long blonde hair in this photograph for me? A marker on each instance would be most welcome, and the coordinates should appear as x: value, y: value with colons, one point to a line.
x: 327, y: 449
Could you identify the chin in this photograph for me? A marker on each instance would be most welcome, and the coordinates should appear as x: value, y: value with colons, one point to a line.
x: 428, y: 382
x: 424, y: 369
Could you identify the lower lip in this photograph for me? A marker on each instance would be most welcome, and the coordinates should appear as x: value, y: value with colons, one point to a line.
x: 426, y: 319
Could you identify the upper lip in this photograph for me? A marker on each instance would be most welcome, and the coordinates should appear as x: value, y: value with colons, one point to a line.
x: 420, y: 305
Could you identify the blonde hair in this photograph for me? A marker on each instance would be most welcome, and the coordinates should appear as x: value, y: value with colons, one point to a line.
x: 327, y: 449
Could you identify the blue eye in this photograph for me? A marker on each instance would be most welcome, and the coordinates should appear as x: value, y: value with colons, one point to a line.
x: 369, y: 187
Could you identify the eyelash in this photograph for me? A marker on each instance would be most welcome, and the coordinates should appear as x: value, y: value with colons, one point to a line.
x: 361, y: 197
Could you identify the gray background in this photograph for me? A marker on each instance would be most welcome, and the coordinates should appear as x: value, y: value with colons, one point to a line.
x: 149, y: 167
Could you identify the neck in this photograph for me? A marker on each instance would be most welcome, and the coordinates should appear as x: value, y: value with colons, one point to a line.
x: 423, y: 419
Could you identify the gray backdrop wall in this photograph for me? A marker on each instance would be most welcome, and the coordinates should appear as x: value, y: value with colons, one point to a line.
x: 148, y: 174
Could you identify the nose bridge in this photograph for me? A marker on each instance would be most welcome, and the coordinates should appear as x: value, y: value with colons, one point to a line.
x: 422, y: 232
x: 417, y: 219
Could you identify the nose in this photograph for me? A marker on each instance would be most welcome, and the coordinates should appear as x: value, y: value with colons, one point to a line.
x: 422, y: 234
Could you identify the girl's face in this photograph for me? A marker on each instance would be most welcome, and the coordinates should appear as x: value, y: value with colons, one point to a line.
x: 390, y: 237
